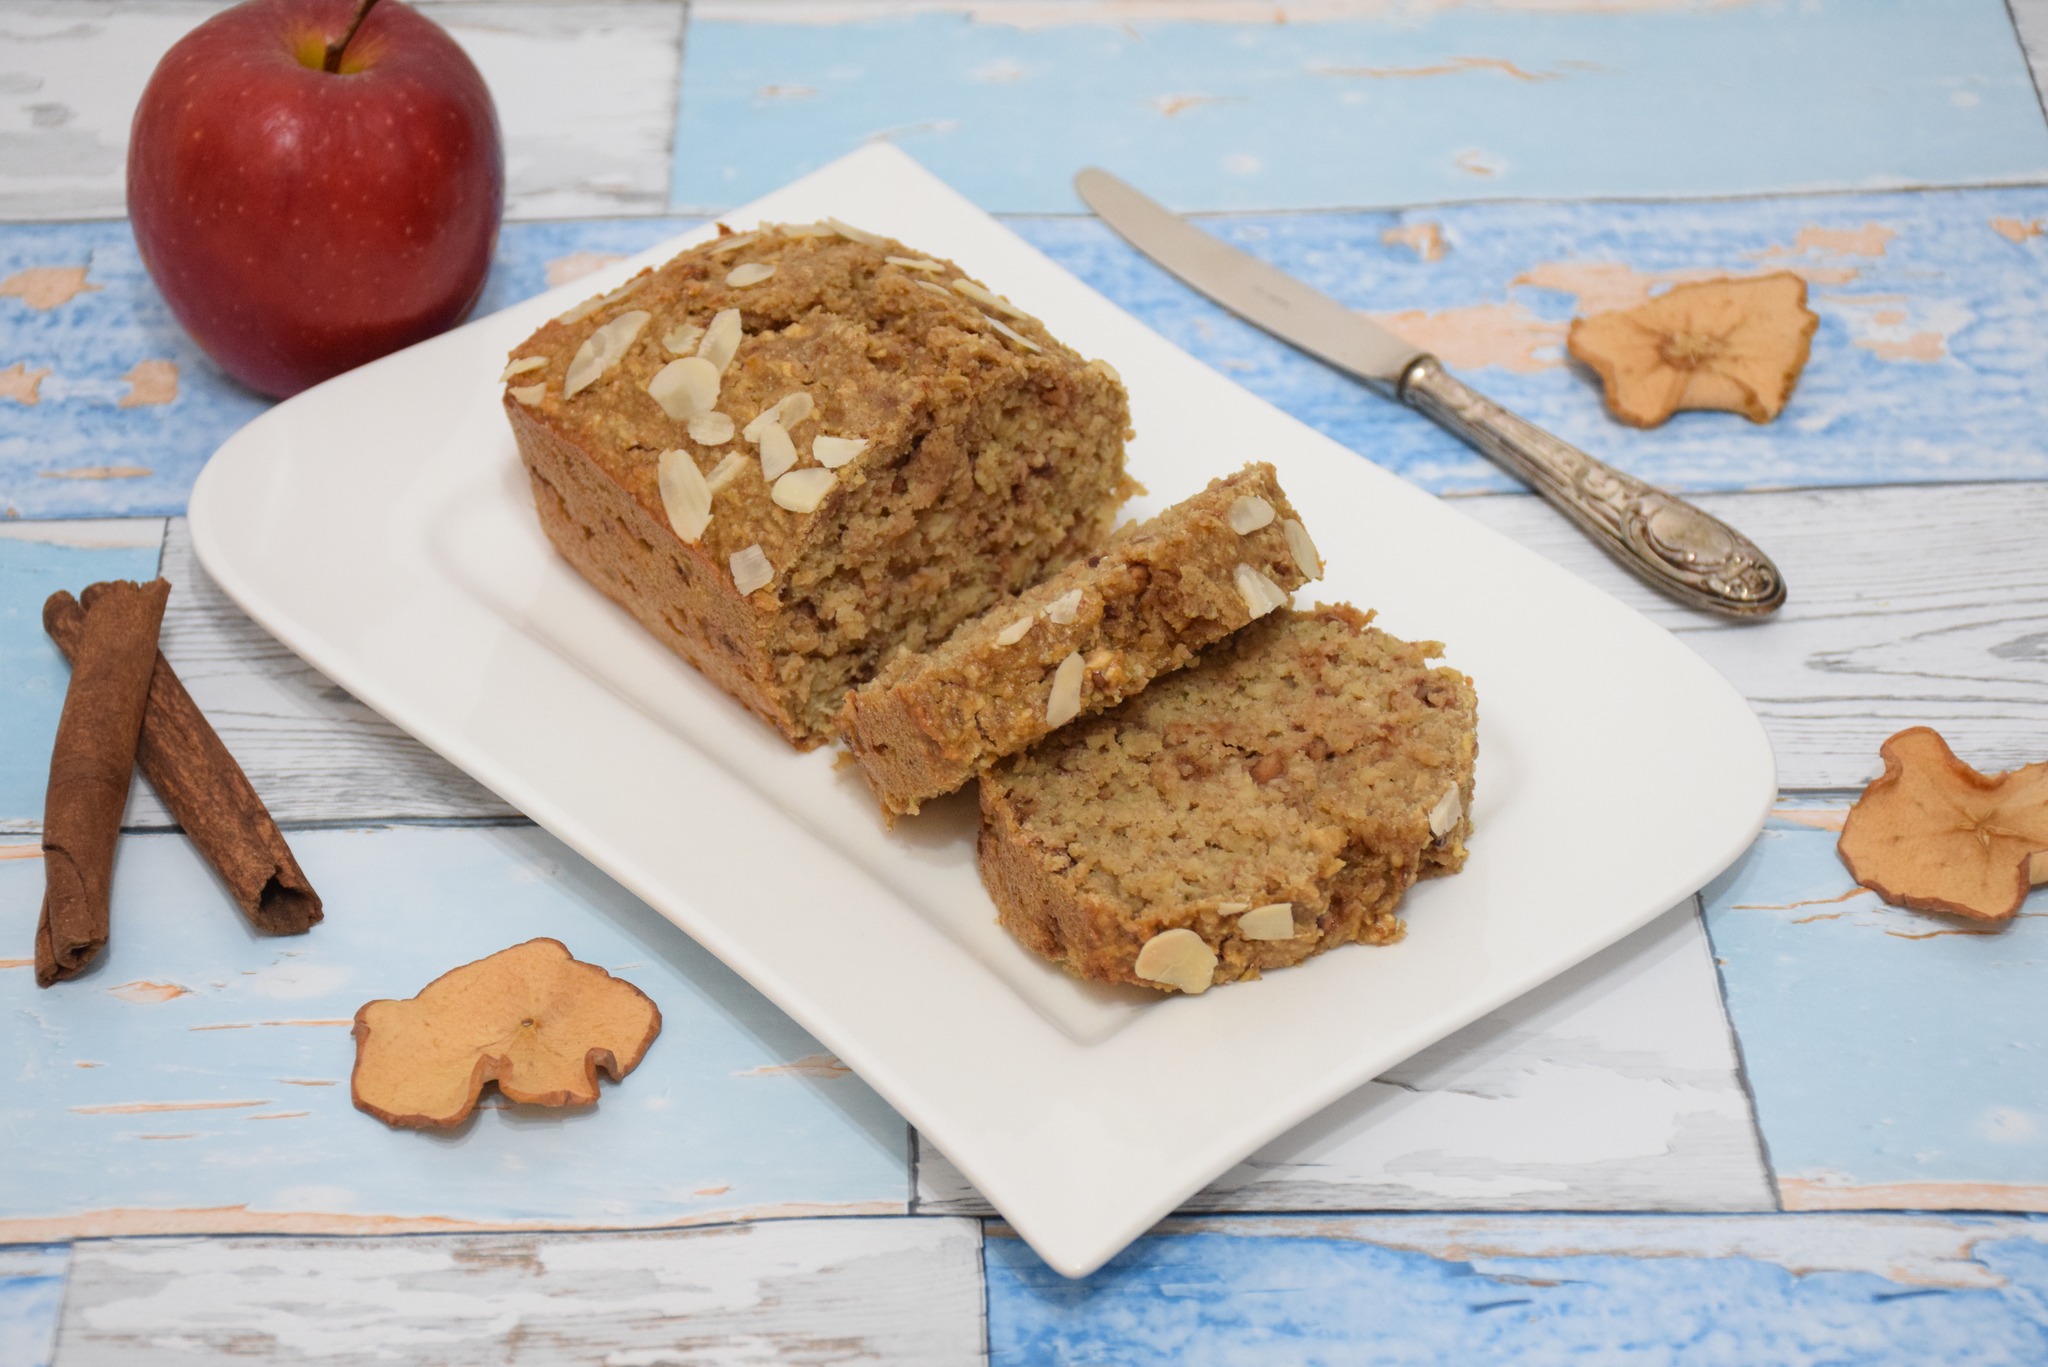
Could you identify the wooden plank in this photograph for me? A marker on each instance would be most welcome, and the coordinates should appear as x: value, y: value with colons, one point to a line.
x: 1410, y: 103
x: 1537, y: 1289
x: 794, y: 1291
x: 2030, y: 17
x: 1614, y: 1087
x: 31, y: 1293
x: 1930, y: 364
x: 1908, y: 607
x: 1894, y: 1057
x: 196, y: 1079
x: 313, y: 752
x: 586, y: 96
x: 108, y: 409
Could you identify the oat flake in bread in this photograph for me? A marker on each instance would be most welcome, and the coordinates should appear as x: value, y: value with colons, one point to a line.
x: 1271, y: 802
x: 874, y: 448
x: 1144, y: 606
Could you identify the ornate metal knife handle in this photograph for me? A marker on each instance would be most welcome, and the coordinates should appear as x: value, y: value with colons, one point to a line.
x: 1697, y: 559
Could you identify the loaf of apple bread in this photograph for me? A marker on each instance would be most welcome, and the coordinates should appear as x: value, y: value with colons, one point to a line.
x: 1271, y: 802
x: 793, y: 452
x: 1080, y: 642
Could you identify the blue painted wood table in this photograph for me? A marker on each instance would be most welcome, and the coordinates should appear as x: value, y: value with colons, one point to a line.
x: 1783, y: 1124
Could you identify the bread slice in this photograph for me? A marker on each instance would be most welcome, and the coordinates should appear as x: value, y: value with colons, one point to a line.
x: 971, y: 455
x: 1267, y: 804
x: 1082, y: 641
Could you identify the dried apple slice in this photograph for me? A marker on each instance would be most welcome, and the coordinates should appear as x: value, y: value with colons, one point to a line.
x: 1734, y: 345
x: 1935, y: 835
x: 532, y: 1019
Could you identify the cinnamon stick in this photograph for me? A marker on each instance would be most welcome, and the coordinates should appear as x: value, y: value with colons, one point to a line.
x: 207, y: 794
x: 90, y: 767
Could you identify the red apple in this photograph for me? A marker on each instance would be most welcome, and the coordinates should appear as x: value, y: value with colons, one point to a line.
x: 300, y: 220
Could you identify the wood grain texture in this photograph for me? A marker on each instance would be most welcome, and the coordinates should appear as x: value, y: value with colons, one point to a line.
x: 196, y: 1079
x: 1895, y: 1057
x: 1614, y: 1087
x: 586, y: 96
x: 1412, y: 103
x: 2030, y: 17
x: 313, y: 752
x: 1909, y: 607
x: 31, y: 1293
x: 1698, y: 1291
x: 797, y: 1291
x: 1930, y: 364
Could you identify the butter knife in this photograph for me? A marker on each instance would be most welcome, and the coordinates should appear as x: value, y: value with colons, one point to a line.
x: 1695, y: 557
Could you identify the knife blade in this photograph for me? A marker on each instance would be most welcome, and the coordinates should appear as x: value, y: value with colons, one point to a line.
x: 1256, y: 292
x: 1674, y: 546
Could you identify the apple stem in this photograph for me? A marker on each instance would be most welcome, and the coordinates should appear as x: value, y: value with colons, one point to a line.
x: 335, y: 49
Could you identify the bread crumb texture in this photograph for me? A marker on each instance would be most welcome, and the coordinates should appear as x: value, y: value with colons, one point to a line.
x: 1147, y: 605
x: 1298, y: 763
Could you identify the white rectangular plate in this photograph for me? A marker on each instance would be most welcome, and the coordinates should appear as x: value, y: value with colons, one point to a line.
x: 380, y: 525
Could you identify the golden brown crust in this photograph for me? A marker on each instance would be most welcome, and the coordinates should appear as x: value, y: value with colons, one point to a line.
x: 992, y: 455
x: 672, y: 589
x: 1144, y: 606
x: 1300, y: 762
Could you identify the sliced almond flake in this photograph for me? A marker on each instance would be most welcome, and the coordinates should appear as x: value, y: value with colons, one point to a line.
x: 684, y: 495
x: 1063, y: 609
x: 1250, y: 513
x: 1448, y: 812
x: 1273, y: 921
x: 1019, y: 338
x: 580, y: 312
x: 853, y: 234
x: 682, y: 339
x: 801, y: 491
x: 989, y: 299
x: 722, y: 339
x: 1177, y: 958
x: 603, y: 301
x: 1261, y: 595
x: 685, y: 388
x: 1016, y: 631
x: 522, y: 365
x: 792, y: 409
x: 1106, y: 368
x: 1064, y: 704
x: 1232, y: 908
x: 602, y: 350
x: 833, y: 452
x: 1305, y: 558
x: 529, y: 394
x: 750, y: 569
x: 809, y: 230
x: 733, y: 243
x: 786, y: 412
x: 935, y: 288
x: 778, y: 452
x: 710, y: 429
x: 916, y: 263
x: 725, y: 472
x: 749, y: 273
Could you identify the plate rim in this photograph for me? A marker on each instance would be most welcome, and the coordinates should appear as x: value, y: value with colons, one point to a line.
x: 1070, y: 1251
